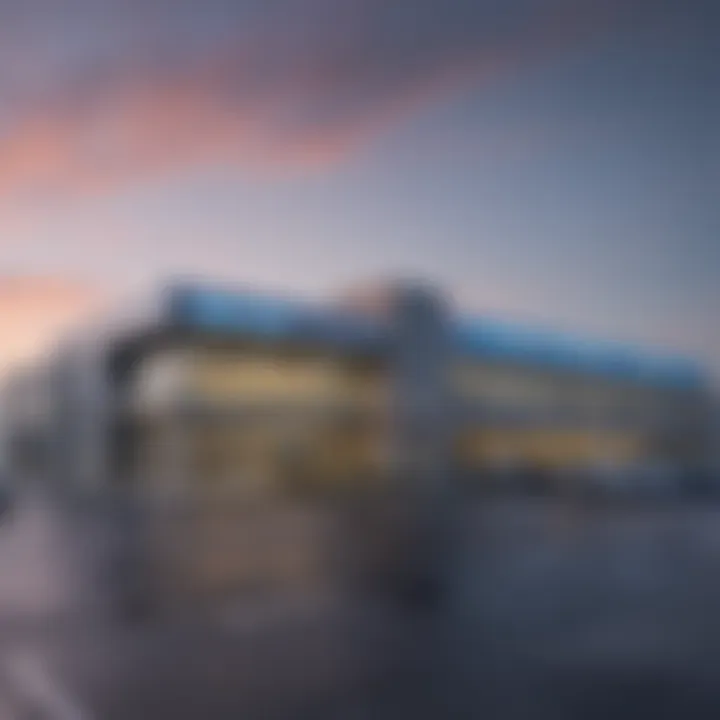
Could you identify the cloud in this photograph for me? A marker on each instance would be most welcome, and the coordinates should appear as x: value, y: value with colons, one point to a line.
x: 100, y: 93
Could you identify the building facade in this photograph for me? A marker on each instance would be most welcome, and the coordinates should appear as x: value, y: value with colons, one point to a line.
x: 220, y: 412
x: 496, y: 394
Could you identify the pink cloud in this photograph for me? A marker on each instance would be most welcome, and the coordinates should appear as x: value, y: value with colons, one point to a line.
x: 305, y: 90
x: 35, y: 309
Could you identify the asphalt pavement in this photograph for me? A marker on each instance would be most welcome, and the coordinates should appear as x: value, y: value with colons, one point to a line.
x: 560, y: 611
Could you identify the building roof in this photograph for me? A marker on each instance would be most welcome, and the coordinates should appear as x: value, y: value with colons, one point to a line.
x: 516, y: 343
x: 271, y: 317
x: 267, y: 316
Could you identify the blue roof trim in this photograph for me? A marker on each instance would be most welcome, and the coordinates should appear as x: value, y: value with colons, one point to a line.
x: 498, y: 341
x: 269, y: 317
x: 231, y: 311
x: 272, y: 318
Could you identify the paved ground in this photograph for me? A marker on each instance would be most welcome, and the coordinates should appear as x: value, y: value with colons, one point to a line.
x: 561, y: 612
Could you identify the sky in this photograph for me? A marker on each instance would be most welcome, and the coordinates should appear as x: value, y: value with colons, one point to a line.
x: 554, y: 161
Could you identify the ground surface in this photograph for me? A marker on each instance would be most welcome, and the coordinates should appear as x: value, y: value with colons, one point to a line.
x: 561, y: 611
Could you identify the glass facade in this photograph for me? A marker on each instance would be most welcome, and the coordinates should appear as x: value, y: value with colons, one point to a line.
x: 265, y: 419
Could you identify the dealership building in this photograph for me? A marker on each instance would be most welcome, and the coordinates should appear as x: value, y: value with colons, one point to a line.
x: 203, y: 361
x: 225, y: 396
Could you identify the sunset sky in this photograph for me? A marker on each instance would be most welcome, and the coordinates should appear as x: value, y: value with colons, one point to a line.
x: 550, y: 160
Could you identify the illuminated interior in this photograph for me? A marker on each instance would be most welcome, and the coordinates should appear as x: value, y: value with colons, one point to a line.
x: 264, y: 422
x: 548, y: 449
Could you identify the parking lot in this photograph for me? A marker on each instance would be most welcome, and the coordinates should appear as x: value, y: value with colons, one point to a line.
x: 560, y: 610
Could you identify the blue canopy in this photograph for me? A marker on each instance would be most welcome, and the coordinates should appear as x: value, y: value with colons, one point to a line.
x: 270, y: 317
x: 264, y: 316
x: 513, y: 343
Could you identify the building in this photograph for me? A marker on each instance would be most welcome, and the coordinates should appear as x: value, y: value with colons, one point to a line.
x: 225, y: 400
x: 25, y: 407
x: 511, y: 395
x: 556, y: 403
